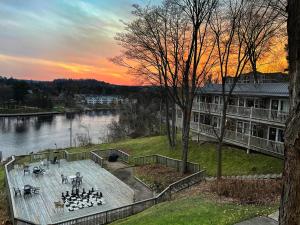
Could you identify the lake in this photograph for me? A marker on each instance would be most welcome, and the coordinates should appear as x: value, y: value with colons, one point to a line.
x: 23, y: 135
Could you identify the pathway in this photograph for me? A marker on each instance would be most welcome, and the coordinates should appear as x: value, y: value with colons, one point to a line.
x: 259, y: 221
x: 125, y: 173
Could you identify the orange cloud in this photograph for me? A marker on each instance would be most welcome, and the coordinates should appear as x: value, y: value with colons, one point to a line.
x: 103, y: 70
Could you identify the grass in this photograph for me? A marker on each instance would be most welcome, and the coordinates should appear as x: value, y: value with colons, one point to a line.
x: 195, y: 211
x: 235, y: 161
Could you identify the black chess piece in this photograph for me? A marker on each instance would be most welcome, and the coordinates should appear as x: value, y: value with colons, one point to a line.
x: 101, y: 195
x: 92, y: 189
x: 67, y: 194
x: 77, y: 192
x: 83, y: 191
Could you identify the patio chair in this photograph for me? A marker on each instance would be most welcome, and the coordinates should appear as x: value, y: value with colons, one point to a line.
x: 79, y: 180
x: 26, y: 169
x: 27, y: 190
x: 17, y: 191
x: 35, y: 190
x: 64, y: 179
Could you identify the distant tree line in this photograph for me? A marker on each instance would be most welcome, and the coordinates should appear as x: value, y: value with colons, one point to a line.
x: 41, y: 94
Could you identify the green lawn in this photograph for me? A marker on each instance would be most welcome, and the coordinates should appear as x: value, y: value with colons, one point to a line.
x: 235, y: 161
x: 195, y: 211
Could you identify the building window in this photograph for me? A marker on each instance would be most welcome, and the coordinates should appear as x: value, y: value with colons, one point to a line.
x: 257, y: 131
x: 274, y: 105
x: 216, y: 99
x: 215, y: 121
x: 272, y: 134
x: 196, y: 117
x: 249, y: 102
x: 232, y: 101
x: 241, y: 102
x: 239, y: 127
x: 280, y: 135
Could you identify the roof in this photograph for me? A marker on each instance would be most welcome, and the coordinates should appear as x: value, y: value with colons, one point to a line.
x: 250, y: 89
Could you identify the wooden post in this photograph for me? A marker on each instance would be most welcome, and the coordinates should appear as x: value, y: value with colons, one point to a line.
x: 250, y: 128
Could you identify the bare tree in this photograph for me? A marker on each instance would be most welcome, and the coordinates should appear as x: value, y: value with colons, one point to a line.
x: 142, y: 58
x: 243, y: 30
x: 290, y: 207
x: 176, y: 36
x: 261, y: 22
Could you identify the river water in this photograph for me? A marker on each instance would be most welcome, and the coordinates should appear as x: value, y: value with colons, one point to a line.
x: 23, y: 135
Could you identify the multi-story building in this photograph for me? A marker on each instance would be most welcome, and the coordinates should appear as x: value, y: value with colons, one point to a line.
x: 256, y: 115
x: 102, y: 99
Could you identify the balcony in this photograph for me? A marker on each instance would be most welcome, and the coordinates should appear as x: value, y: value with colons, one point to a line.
x: 244, y: 112
x: 243, y: 140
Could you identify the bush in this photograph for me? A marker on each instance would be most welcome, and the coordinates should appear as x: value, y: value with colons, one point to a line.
x: 249, y: 191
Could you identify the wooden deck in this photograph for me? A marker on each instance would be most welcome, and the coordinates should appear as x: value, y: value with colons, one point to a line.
x: 39, y: 208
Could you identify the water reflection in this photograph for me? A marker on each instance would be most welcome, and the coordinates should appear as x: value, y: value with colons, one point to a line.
x: 21, y: 135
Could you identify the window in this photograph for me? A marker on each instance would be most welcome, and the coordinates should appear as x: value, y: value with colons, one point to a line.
x: 272, y: 134
x: 239, y: 127
x: 215, y: 121
x: 232, y: 101
x: 280, y: 135
x: 249, y: 102
x: 274, y: 105
x: 242, y: 102
x: 257, y: 131
x: 216, y: 99
x: 196, y: 117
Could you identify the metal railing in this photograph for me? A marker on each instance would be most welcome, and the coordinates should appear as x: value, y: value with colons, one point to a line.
x: 166, y: 161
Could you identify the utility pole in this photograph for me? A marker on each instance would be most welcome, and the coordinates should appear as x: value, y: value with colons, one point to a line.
x: 71, y: 132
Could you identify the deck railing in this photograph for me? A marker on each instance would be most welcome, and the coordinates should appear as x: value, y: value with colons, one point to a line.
x: 241, y: 111
x: 123, y: 156
x: 166, y: 161
x: 10, y: 195
x: 134, y: 208
x: 96, y: 158
x: 76, y: 156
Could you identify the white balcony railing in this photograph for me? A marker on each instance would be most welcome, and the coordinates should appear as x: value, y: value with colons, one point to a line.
x: 244, y: 140
x: 246, y: 112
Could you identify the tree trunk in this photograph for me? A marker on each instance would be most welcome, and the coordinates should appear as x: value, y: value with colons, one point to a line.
x: 290, y: 199
x: 220, y: 141
x: 185, y: 139
x: 173, y: 128
x: 168, y: 122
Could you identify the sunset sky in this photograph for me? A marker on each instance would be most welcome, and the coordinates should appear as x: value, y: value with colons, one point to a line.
x: 49, y: 39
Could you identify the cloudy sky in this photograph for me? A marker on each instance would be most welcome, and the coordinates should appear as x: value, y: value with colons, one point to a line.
x: 49, y: 39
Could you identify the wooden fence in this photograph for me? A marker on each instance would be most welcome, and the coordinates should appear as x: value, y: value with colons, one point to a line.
x: 96, y: 158
x: 76, y: 156
x: 128, y: 210
x: 10, y: 195
x: 123, y: 156
x: 166, y: 161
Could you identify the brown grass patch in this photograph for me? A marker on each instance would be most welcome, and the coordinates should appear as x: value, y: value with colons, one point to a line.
x: 158, y: 177
x: 259, y: 192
